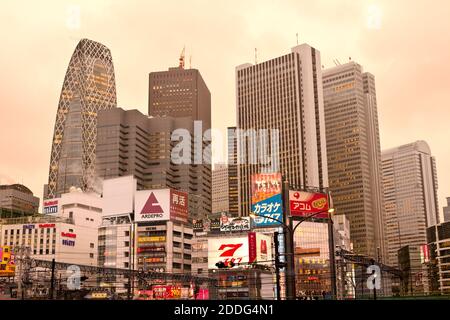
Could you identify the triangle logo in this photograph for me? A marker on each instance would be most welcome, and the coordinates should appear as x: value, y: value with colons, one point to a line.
x: 152, y: 205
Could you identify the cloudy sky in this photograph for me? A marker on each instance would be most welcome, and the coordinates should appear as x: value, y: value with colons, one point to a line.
x: 403, y: 43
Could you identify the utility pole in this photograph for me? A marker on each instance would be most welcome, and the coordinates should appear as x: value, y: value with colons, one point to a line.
x: 52, y: 281
x: 332, y: 255
x: 277, y: 266
x: 289, y: 244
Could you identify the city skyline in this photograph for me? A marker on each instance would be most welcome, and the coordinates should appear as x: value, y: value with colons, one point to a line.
x: 35, y: 97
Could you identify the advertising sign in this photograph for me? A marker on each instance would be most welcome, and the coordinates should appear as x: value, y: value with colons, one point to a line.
x: 233, y: 249
x: 267, y: 203
x: 152, y: 205
x: 203, y: 294
x: 260, y: 248
x: 166, y: 292
x: 234, y: 224
x: 303, y: 203
x: 206, y: 225
x: 424, y: 254
x: 178, y: 205
x: 50, y: 207
x: 152, y: 239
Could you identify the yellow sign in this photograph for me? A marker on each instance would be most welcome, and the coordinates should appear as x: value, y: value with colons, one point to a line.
x: 152, y: 239
x: 343, y: 87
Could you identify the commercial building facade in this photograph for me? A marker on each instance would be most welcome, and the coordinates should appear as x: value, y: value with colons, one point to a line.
x: 354, y: 159
x: 439, y: 258
x: 89, y: 86
x: 447, y: 211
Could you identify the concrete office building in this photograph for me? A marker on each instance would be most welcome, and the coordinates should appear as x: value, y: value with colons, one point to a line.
x: 411, y: 261
x: 17, y: 200
x: 410, y: 191
x: 447, y: 211
x: 353, y: 150
x: 233, y: 184
x: 220, y: 188
x: 181, y: 93
x: 130, y: 143
x: 282, y: 94
x: 89, y: 86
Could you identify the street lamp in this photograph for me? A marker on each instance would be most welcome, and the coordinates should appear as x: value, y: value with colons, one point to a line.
x: 291, y: 229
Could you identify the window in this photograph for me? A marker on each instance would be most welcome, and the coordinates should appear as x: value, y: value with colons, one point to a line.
x: 127, y: 233
x: 71, y: 214
x: 91, y: 255
x: 127, y: 243
x: 127, y: 254
x: 41, y: 251
x: 126, y: 264
x: 91, y: 245
x: 46, y: 251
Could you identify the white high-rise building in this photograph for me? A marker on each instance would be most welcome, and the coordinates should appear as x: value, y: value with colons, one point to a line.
x: 283, y: 94
x: 220, y: 188
x: 410, y: 190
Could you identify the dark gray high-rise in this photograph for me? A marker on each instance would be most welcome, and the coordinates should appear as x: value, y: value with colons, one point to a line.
x: 130, y: 142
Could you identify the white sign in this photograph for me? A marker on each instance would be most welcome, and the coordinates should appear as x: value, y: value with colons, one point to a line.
x: 227, y: 249
x: 263, y: 249
x: 152, y: 205
x: 118, y: 195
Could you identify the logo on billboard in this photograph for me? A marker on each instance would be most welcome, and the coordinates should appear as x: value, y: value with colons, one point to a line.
x: 227, y: 250
x: 178, y: 205
x: 267, y: 203
x: 234, y: 224
x: 152, y: 205
x: 303, y: 203
x: 50, y: 207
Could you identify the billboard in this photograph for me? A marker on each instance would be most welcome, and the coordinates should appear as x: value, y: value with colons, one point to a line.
x: 233, y: 249
x: 234, y: 224
x: 118, y: 195
x: 152, y: 205
x: 260, y: 248
x: 178, y: 205
x: 50, y: 206
x: 7, y: 263
x: 267, y: 202
x: 302, y: 203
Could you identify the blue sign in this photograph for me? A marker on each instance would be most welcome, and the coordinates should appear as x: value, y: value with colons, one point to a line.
x: 268, y: 211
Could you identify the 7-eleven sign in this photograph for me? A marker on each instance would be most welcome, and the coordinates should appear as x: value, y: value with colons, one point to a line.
x: 152, y: 205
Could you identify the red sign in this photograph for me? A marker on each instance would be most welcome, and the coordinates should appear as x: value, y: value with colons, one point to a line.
x: 251, y: 247
x: 50, y: 203
x: 303, y: 203
x: 167, y: 292
x: 47, y: 225
x: 178, y: 205
x: 152, y: 205
x: 68, y: 235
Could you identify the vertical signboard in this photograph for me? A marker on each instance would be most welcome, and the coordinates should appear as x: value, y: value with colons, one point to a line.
x: 178, y: 205
x: 267, y: 203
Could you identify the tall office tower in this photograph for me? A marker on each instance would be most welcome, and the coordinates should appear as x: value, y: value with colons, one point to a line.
x: 283, y: 94
x: 181, y: 92
x: 131, y: 143
x: 220, y: 188
x: 353, y: 149
x: 410, y: 191
x: 89, y: 86
x: 447, y: 211
x: 233, y: 185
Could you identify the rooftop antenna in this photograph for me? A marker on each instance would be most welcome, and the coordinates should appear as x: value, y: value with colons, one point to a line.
x: 181, y: 65
x: 297, y: 37
x: 190, y: 61
x: 256, y: 56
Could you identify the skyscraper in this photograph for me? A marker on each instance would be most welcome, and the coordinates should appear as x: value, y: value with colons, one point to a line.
x: 410, y: 190
x: 131, y: 143
x: 220, y: 188
x: 353, y: 150
x: 181, y: 93
x: 283, y: 94
x: 89, y: 86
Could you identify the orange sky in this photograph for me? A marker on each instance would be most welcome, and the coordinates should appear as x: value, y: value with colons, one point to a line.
x: 403, y: 43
